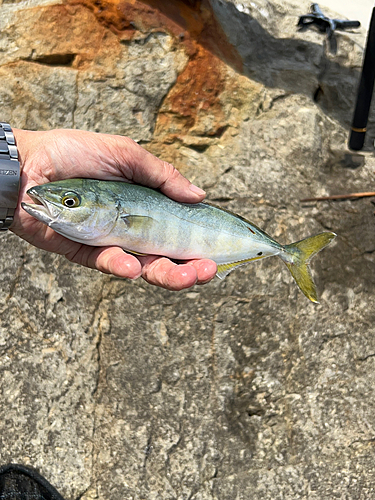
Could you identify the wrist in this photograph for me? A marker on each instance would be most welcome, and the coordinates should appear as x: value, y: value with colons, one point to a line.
x: 24, y: 144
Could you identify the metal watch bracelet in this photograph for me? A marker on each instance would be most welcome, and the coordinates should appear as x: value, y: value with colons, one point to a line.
x: 9, y: 176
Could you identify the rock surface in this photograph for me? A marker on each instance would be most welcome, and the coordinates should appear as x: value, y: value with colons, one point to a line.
x: 239, y: 389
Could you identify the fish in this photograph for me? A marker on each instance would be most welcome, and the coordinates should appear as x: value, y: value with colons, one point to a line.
x: 144, y: 221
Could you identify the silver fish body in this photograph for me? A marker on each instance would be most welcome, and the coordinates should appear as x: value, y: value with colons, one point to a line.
x: 144, y: 221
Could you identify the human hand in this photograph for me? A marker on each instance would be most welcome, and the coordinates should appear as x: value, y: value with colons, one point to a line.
x: 62, y: 154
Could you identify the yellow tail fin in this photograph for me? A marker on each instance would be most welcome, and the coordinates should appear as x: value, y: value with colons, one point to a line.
x: 298, y: 257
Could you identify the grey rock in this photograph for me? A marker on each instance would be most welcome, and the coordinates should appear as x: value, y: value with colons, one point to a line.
x: 144, y: 72
x: 234, y: 390
x: 37, y: 96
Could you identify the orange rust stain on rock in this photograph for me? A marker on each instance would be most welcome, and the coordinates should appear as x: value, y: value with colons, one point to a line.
x: 127, y: 17
x: 58, y: 35
x: 188, y: 21
x: 195, y: 19
x: 198, y: 86
x: 193, y: 105
x: 195, y: 95
x: 193, y: 25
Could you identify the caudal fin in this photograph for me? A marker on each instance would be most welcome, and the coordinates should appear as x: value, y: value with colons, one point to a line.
x: 298, y: 256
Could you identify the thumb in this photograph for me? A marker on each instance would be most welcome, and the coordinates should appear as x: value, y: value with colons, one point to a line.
x: 148, y: 170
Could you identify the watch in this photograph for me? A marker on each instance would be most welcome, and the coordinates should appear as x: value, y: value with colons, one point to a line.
x: 9, y: 176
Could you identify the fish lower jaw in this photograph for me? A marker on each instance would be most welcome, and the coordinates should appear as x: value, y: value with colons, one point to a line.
x: 40, y: 212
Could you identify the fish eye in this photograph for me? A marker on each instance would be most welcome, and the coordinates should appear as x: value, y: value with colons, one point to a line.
x: 71, y: 200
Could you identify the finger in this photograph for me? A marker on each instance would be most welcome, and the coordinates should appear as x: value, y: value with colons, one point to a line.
x: 160, y: 271
x: 114, y: 260
x: 206, y: 270
x: 150, y: 171
x: 109, y: 260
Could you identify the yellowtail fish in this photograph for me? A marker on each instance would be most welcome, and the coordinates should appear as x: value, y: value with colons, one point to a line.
x: 143, y: 221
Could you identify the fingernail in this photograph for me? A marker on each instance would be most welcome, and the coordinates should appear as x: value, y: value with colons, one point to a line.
x: 197, y: 190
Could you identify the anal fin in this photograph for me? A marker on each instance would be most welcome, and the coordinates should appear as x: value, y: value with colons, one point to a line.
x: 136, y: 253
x: 224, y: 269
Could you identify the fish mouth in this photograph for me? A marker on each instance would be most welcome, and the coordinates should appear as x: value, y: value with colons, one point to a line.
x: 43, y: 210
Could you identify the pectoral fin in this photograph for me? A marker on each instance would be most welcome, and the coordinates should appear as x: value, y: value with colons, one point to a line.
x: 137, y: 221
x: 224, y: 269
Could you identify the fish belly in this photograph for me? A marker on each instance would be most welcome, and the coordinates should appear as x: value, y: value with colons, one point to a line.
x: 181, y: 239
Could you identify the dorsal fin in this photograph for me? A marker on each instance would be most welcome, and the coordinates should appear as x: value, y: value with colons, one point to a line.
x: 224, y: 269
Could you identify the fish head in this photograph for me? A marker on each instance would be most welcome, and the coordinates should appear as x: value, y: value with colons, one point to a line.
x: 73, y: 208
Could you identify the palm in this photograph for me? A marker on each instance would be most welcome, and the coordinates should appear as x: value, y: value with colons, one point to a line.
x: 63, y: 154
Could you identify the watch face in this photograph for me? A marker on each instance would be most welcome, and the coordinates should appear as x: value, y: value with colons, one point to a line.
x: 9, y: 183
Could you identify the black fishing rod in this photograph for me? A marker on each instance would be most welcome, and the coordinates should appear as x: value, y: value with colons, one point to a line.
x: 365, y: 91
